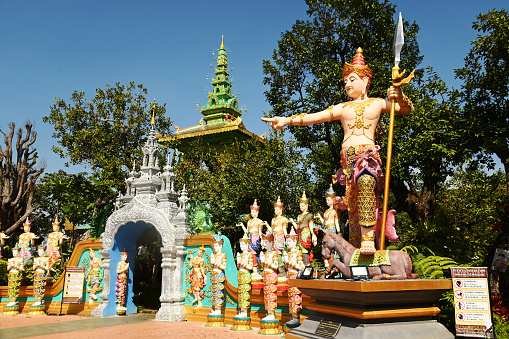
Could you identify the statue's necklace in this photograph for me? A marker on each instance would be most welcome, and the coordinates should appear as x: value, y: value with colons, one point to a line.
x: 359, y: 108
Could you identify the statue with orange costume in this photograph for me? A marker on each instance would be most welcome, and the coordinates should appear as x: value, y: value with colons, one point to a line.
x: 361, y: 170
x: 55, y: 240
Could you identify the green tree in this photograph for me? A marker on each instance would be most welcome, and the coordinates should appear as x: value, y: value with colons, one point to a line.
x: 105, y: 133
x: 470, y: 207
x: 18, y: 177
x: 305, y: 73
x: 485, y: 91
x: 230, y: 180
x: 77, y: 197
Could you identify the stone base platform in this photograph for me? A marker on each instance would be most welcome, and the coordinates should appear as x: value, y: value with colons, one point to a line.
x: 372, y: 309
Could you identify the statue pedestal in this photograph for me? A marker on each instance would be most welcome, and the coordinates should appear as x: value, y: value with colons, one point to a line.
x: 241, y: 324
x: 364, y: 309
x: 215, y: 320
x: 11, y: 310
x: 36, y: 310
x: 269, y: 327
x: 121, y: 310
x: 290, y: 326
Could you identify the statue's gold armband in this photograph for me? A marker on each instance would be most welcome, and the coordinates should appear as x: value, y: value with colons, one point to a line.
x: 406, y: 102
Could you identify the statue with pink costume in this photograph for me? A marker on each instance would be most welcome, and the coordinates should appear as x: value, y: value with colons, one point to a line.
x: 41, y: 268
x: 361, y: 170
x: 55, y: 240
x: 278, y: 230
x: 254, y: 230
x: 25, y: 241
x: 270, y: 264
x: 293, y: 259
x: 121, y: 284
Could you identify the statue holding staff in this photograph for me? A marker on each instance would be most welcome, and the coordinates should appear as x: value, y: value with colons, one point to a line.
x: 361, y: 170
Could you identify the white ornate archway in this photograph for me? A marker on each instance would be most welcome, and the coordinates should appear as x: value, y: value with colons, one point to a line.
x: 173, y: 234
x: 150, y: 200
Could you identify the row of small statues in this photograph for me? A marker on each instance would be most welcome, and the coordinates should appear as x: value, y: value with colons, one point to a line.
x: 48, y: 258
x: 293, y: 262
x: 305, y: 226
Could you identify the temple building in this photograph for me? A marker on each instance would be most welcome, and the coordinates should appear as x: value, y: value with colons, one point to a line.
x: 222, y: 123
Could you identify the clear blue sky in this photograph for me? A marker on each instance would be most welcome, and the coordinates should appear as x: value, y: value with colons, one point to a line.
x: 50, y: 48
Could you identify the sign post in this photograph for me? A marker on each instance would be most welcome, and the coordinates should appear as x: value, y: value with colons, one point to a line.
x: 472, y: 302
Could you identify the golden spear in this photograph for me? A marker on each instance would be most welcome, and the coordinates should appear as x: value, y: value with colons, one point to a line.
x: 397, y: 81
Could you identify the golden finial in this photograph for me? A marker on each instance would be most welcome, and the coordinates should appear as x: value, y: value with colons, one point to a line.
x: 222, y: 42
x: 304, y: 199
x: 153, y: 121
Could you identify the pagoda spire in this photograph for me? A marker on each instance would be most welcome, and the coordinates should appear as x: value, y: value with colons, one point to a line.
x: 222, y: 106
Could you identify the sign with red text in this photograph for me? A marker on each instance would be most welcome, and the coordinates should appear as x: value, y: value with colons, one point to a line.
x: 472, y: 302
x: 74, y: 277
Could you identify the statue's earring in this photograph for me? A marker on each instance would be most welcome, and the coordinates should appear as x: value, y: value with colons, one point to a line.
x: 363, y: 92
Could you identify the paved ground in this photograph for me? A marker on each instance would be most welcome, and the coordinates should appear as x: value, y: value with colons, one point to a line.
x: 131, y: 326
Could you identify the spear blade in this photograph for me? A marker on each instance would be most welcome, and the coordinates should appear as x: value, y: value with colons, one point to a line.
x: 399, y: 41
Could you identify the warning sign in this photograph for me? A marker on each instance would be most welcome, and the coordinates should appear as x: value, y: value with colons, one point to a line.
x: 471, y: 302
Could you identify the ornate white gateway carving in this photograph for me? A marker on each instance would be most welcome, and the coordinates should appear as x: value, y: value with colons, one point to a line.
x: 149, y: 201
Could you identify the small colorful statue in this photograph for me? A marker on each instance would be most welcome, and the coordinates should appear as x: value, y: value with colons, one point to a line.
x: 330, y: 219
x: 15, y: 267
x: 55, y: 240
x: 245, y: 266
x: 94, y: 276
x: 270, y: 265
x: 305, y: 229
x: 217, y: 277
x: 253, y: 230
x: 41, y: 268
x: 121, y: 284
x: 278, y: 230
x: 26, y: 241
x: 3, y: 236
x: 198, y: 277
x: 361, y: 170
x: 294, y: 263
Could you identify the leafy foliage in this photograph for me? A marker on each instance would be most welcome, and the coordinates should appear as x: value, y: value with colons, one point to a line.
x: 432, y: 267
x: 229, y: 180
x: 18, y: 176
x: 305, y: 73
x: 105, y: 133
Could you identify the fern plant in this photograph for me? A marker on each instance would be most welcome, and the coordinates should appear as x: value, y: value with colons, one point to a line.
x: 431, y: 267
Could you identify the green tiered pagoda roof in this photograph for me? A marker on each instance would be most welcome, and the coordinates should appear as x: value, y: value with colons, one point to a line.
x: 221, y: 123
